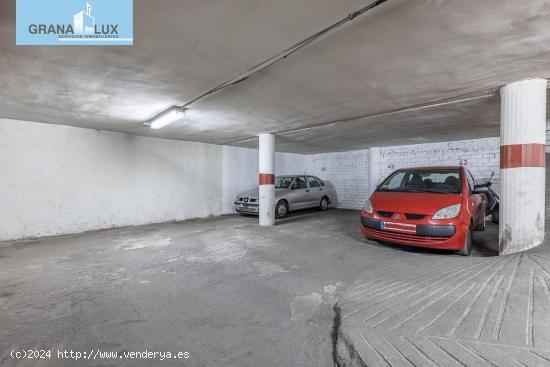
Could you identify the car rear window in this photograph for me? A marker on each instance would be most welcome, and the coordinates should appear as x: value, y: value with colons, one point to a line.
x: 444, y: 181
x: 312, y: 181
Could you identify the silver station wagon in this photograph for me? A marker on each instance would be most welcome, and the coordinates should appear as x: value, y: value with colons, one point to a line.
x: 291, y: 193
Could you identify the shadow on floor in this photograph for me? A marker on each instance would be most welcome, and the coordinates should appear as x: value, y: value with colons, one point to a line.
x: 485, y: 243
x: 294, y: 216
x: 299, y: 215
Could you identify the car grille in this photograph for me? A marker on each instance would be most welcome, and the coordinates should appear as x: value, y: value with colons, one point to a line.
x: 404, y: 236
x: 414, y: 216
x: 252, y: 200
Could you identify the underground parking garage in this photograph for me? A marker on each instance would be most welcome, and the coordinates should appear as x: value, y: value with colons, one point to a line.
x: 274, y: 183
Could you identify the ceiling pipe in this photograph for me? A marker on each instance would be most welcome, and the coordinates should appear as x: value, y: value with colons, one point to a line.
x: 274, y: 59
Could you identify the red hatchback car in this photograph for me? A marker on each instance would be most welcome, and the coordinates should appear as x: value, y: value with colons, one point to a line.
x: 434, y: 207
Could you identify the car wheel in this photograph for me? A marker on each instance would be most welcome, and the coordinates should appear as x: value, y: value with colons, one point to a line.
x: 281, y: 209
x: 494, y: 217
x: 467, y: 250
x: 323, y: 205
x: 481, y: 226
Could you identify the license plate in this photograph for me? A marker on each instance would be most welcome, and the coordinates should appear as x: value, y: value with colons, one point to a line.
x: 398, y: 227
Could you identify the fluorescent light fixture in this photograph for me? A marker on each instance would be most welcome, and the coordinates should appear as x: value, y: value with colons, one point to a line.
x: 166, y: 118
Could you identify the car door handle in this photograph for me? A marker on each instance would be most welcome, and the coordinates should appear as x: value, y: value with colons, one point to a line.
x: 307, y: 190
x: 320, y: 189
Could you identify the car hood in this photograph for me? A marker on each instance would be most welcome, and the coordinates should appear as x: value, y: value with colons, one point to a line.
x: 412, y: 202
x: 254, y: 193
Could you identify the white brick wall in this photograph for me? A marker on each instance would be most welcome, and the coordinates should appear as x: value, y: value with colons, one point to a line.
x: 348, y: 171
x: 481, y: 156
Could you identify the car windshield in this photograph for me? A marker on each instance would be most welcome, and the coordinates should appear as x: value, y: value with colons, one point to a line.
x: 444, y: 181
x: 283, y: 182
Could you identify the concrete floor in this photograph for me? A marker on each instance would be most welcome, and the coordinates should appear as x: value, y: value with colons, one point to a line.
x: 225, y: 290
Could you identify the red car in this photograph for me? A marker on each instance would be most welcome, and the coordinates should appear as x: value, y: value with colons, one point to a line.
x: 436, y: 207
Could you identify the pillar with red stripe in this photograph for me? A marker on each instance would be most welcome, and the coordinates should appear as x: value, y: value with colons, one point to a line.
x: 267, y: 179
x: 522, y: 165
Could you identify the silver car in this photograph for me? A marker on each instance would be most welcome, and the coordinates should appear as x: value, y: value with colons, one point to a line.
x: 292, y: 192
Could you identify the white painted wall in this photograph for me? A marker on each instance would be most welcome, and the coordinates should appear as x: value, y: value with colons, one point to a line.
x: 57, y: 179
x: 348, y: 171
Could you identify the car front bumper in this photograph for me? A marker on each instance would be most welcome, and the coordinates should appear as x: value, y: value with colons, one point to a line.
x: 246, y: 208
x: 447, y: 236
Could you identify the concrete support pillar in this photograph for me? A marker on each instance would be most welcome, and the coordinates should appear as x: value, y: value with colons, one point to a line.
x: 374, y: 169
x: 522, y: 165
x: 267, y: 179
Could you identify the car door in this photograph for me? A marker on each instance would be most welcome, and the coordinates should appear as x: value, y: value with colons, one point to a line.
x: 315, y: 191
x: 477, y: 202
x: 326, y: 190
x: 298, y: 195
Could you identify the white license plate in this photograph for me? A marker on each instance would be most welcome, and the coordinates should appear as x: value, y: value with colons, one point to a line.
x: 398, y: 227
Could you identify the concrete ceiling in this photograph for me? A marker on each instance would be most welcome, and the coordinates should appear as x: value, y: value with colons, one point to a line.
x: 407, y: 71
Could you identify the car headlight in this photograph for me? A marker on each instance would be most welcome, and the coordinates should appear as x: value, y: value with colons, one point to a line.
x: 449, y: 212
x: 368, y: 207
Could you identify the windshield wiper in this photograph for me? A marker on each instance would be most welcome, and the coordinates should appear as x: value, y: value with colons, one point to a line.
x: 399, y: 190
x: 435, y: 191
x: 417, y: 190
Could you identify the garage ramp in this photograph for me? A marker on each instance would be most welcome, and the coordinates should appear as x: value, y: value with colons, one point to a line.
x: 449, y: 311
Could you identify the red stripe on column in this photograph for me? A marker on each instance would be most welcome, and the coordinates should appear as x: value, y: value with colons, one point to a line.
x: 267, y: 179
x: 522, y: 155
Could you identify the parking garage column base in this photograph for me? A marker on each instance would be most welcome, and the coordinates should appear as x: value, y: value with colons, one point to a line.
x: 267, y: 180
x: 522, y: 165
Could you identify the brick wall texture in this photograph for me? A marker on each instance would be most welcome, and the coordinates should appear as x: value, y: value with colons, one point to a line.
x: 348, y: 171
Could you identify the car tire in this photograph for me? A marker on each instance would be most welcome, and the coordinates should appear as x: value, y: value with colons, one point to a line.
x: 467, y: 250
x: 323, y: 204
x: 281, y: 209
x: 481, y: 226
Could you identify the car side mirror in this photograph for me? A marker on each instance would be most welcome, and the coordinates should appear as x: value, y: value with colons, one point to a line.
x: 480, y: 189
x: 294, y: 187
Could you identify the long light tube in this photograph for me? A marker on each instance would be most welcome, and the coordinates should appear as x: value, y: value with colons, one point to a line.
x: 166, y: 118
